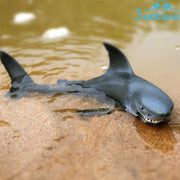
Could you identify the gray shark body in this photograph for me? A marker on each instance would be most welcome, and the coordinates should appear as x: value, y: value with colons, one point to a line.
x: 130, y: 92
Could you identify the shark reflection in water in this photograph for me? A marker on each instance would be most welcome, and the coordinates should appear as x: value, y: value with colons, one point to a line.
x: 160, y: 138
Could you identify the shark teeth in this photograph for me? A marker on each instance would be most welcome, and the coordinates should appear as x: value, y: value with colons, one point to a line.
x: 152, y: 121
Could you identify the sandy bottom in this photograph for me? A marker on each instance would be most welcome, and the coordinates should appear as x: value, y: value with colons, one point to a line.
x: 43, y: 138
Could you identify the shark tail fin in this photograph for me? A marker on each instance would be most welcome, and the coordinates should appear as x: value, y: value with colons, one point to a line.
x: 19, y: 77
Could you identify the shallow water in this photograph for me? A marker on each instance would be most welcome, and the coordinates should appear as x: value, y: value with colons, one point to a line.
x: 42, y: 137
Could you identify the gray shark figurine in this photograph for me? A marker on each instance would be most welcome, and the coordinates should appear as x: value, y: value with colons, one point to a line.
x: 130, y: 92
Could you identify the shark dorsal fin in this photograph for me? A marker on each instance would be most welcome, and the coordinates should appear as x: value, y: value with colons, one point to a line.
x: 118, y: 61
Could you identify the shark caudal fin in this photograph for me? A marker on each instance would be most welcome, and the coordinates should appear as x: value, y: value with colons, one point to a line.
x: 118, y: 61
x: 19, y: 77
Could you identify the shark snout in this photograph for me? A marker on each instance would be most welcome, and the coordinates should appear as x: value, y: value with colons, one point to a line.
x: 154, y: 111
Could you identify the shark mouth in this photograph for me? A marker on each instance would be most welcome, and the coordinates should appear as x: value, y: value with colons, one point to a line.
x: 150, y: 121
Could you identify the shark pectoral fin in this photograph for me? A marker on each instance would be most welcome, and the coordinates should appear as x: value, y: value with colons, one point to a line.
x: 118, y: 61
x: 19, y: 78
x: 119, y: 106
x: 95, y: 112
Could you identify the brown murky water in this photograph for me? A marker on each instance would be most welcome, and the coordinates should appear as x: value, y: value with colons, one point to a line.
x: 42, y: 137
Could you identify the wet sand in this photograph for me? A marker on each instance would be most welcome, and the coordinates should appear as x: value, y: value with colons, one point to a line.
x: 38, y: 142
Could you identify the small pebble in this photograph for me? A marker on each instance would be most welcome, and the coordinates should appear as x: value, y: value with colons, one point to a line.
x: 23, y: 18
x: 104, y: 67
x: 56, y: 33
x: 177, y: 48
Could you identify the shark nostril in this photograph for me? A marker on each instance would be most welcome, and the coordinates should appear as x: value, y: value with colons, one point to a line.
x: 142, y: 107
